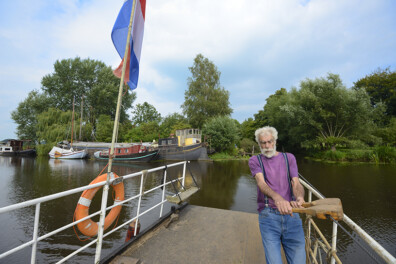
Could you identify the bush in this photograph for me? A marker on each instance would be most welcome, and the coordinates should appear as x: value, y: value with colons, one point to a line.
x: 385, y: 153
x: 221, y: 156
x: 223, y: 133
x: 358, y: 154
x: 355, y: 144
x: 44, y: 149
x: 247, y: 145
x: 334, y: 155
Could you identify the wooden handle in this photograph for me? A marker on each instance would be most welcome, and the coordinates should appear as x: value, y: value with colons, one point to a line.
x: 307, y: 204
x: 304, y: 211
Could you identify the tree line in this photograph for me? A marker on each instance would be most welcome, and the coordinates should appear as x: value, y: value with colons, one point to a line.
x: 320, y: 114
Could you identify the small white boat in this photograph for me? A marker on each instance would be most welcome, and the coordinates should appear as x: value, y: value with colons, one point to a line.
x: 61, y: 153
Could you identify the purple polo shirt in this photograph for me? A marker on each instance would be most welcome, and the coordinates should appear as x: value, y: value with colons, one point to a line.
x: 276, y: 176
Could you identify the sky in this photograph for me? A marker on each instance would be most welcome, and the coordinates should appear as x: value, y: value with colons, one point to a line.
x: 259, y: 46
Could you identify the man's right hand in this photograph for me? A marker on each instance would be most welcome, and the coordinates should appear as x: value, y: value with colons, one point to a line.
x: 283, y: 206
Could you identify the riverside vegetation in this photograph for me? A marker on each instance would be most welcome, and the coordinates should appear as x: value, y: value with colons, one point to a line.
x: 321, y: 118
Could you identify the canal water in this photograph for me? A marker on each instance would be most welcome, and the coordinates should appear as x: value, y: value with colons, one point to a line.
x: 367, y: 192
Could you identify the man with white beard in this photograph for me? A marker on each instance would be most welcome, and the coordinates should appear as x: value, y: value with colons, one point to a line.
x: 278, y: 191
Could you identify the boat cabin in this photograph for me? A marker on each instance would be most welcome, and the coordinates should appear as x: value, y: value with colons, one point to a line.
x: 130, y: 150
x: 184, y: 137
x: 11, y: 145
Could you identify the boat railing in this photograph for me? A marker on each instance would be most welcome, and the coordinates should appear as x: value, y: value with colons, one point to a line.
x: 320, y: 242
x: 38, y: 201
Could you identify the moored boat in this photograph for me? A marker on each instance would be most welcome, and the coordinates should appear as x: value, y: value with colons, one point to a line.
x: 67, y: 153
x: 133, y: 153
x: 13, y: 147
x: 187, y: 145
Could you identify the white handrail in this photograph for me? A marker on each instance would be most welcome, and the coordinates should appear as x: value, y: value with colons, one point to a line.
x: 38, y: 201
x: 381, y: 251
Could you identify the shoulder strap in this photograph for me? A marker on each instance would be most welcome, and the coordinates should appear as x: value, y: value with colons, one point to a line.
x: 288, y: 175
x: 265, y: 177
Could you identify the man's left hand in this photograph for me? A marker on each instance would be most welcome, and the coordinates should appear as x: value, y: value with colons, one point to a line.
x: 297, y: 203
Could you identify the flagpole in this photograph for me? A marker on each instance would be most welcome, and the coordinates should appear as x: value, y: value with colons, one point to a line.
x: 115, y: 133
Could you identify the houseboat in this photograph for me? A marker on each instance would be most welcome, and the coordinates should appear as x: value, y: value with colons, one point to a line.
x: 187, y: 145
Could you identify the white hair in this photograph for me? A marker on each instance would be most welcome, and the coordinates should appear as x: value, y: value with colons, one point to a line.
x: 267, y: 130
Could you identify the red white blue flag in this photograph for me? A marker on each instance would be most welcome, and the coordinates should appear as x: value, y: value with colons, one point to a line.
x: 119, y: 36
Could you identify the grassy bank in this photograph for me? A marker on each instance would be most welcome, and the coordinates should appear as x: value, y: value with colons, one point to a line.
x: 378, y: 154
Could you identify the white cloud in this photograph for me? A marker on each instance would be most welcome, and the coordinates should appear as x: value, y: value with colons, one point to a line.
x: 258, y: 45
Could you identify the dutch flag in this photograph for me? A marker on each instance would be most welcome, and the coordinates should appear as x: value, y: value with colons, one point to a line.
x: 119, y: 36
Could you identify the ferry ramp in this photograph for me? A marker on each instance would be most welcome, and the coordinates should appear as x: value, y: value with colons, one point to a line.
x: 199, y: 235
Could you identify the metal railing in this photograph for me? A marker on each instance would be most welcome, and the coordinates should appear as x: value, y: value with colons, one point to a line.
x: 314, y: 248
x: 331, y: 249
x: 37, y: 203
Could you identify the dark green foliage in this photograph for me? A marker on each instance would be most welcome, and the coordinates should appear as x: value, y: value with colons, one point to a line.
x: 204, y: 98
x: 388, y: 133
x: 222, y: 132
x: 248, y: 145
x: 91, y: 79
x: 144, y: 113
x: 248, y: 127
x: 385, y: 153
x: 381, y: 87
x: 90, y: 82
x: 146, y: 132
x: 54, y: 125
x: 171, y: 123
x: 25, y: 116
x: 322, y: 113
x: 104, y: 129
x: 44, y: 149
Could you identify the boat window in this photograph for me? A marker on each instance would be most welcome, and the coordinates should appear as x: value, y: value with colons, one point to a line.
x: 126, y: 150
x: 119, y: 151
x: 170, y: 142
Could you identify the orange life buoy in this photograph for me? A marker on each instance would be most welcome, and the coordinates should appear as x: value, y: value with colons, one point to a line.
x: 89, y: 227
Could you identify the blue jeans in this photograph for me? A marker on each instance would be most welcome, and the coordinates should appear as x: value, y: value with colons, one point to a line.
x: 277, y: 229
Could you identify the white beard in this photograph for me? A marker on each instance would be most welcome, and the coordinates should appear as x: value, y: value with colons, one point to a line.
x: 269, y: 153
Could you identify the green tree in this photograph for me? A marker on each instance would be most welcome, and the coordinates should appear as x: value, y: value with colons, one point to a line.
x: 104, y: 128
x: 279, y: 113
x: 144, y: 113
x: 88, y: 79
x: 248, y: 127
x: 90, y: 82
x: 25, y: 116
x: 172, y: 122
x: 54, y: 125
x: 205, y: 98
x: 332, y: 110
x: 381, y: 87
x: 323, y: 111
x: 249, y: 146
x: 260, y: 118
x: 223, y: 133
x: 388, y: 133
x: 146, y: 132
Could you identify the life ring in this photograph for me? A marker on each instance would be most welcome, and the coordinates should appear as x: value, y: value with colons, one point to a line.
x: 89, y: 227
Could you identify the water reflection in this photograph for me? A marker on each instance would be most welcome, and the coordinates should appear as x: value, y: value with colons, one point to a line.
x: 367, y: 193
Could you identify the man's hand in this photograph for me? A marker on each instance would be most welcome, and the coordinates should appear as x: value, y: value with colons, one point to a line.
x: 283, y: 206
x: 298, y: 202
